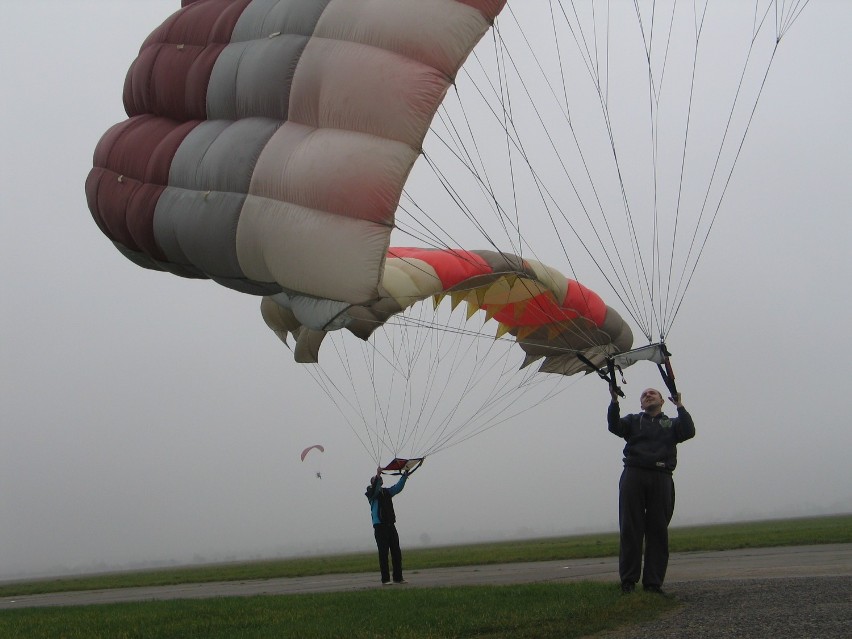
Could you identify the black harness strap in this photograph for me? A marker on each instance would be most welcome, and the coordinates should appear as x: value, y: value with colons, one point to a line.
x: 609, y: 376
x: 666, y: 372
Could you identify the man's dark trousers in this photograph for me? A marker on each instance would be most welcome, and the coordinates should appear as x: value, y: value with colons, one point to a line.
x: 645, y: 507
x: 387, y: 540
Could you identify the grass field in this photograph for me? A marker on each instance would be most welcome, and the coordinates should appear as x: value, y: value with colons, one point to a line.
x: 537, y: 610
x: 517, y: 612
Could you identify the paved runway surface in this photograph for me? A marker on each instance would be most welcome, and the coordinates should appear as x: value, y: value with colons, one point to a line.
x: 834, y: 561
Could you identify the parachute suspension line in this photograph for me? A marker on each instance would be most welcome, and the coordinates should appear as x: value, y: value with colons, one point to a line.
x: 511, y: 140
x: 424, y: 235
x: 456, y: 352
x: 567, y: 112
x: 429, y: 236
x: 508, y: 414
x: 475, y: 168
x: 434, y: 422
x: 640, y: 316
x: 443, y: 434
x: 411, y: 349
x: 459, y: 201
x: 683, y: 285
x: 653, y: 112
x: 378, y: 429
x: 481, y: 177
x: 381, y: 431
x: 597, y: 51
x: 680, y: 290
x: 698, y: 26
x: 658, y: 302
x: 783, y: 23
x: 659, y: 278
x: 447, y: 428
x: 725, y: 187
x: 506, y: 105
x: 505, y: 98
x: 655, y: 92
x: 400, y: 374
x: 559, y: 58
x: 340, y: 398
x: 464, y: 208
x: 649, y: 282
x: 503, y: 395
x: 628, y: 288
x: 479, y: 171
x: 514, y: 140
x: 405, y: 320
x: 632, y: 306
x: 438, y: 367
x: 503, y: 116
x: 379, y: 425
x: 416, y: 347
x: 398, y: 378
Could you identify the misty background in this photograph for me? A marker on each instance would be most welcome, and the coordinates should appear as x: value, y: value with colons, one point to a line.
x: 147, y: 419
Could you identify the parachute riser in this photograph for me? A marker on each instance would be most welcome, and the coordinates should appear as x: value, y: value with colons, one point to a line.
x: 657, y: 353
x: 608, y: 375
x: 667, y: 372
x: 613, y: 384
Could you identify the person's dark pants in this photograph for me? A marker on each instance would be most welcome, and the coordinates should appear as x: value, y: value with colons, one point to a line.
x: 387, y: 540
x: 645, y: 507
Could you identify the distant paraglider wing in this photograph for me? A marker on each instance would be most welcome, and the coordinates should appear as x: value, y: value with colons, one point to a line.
x: 317, y: 447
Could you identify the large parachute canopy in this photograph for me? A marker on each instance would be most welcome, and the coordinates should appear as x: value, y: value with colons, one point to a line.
x: 268, y: 142
x: 273, y: 146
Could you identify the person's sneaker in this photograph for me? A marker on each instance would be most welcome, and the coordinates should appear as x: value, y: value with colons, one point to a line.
x: 655, y: 589
x: 401, y: 581
x: 387, y: 583
x: 627, y: 587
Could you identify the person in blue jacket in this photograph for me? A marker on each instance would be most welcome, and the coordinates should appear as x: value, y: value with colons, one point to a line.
x: 646, y: 493
x: 384, y: 525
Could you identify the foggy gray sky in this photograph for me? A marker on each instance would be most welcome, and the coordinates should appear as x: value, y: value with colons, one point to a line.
x: 147, y: 418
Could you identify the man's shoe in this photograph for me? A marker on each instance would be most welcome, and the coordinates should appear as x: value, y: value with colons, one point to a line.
x: 655, y: 589
x: 387, y: 583
x: 401, y: 581
x: 627, y: 587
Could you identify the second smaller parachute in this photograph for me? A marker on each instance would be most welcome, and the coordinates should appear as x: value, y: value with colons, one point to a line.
x: 550, y: 316
x: 317, y: 447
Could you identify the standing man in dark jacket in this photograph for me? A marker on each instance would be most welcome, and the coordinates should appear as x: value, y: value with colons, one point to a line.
x: 646, y: 493
x: 384, y: 525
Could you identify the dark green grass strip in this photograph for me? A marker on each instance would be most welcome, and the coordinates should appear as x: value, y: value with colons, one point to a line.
x: 518, y: 612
